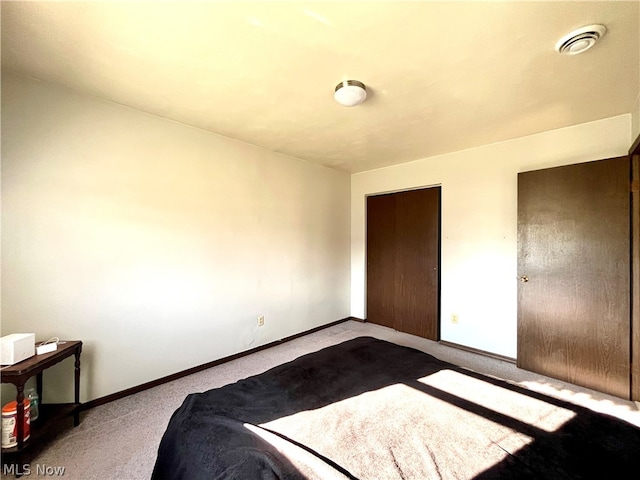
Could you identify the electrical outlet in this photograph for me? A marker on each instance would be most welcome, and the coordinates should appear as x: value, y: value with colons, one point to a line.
x: 261, y: 320
x: 454, y: 318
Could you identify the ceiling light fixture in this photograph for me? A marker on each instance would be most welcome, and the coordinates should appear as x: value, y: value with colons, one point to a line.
x: 350, y: 93
x: 580, y: 40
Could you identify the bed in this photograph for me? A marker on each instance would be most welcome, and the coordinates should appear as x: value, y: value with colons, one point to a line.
x: 370, y: 409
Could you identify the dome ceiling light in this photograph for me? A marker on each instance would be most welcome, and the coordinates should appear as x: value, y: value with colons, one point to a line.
x: 580, y: 40
x: 350, y: 93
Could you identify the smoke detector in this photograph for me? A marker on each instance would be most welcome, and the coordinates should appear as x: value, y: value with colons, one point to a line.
x: 580, y: 40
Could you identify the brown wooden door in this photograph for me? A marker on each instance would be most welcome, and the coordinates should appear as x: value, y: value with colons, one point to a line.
x: 403, y: 251
x: 574, y: 268
x: 635, y: 275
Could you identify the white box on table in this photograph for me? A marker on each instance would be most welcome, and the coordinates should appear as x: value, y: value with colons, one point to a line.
x: 17, y: 347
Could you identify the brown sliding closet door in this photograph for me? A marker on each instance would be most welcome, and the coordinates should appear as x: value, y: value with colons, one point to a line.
x: 574, y: 267
x: 403, y: 248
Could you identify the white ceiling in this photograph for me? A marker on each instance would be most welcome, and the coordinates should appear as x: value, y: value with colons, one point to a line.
x: 441, y: 76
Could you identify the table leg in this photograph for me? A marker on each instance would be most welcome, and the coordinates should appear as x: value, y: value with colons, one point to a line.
x: 20, y: 415
x: 76, y: 413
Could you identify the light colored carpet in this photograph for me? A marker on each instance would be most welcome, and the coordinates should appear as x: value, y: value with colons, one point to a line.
x: 119, y: 440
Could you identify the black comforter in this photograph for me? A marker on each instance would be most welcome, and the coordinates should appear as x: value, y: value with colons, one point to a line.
x: 369, y: 409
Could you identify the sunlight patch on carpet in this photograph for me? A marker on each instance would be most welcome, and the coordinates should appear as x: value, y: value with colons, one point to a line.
x: 596, y: 401
x: 506, y: 402
x: 438, y: 433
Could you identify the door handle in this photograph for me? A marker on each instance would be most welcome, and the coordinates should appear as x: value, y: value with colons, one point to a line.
x: 524, y: 279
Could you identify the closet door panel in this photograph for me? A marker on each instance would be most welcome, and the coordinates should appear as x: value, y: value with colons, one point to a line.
x: 417, y: 242
x: 381, y: 260
x: 403, y: 249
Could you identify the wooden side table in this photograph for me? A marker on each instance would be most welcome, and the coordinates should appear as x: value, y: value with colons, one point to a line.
x: 19, y: 373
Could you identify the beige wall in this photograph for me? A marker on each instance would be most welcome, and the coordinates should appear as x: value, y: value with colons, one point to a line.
x: 479, y: 222
x: 156, y: 243
x: 635, y: 120
x: 635, y: 111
